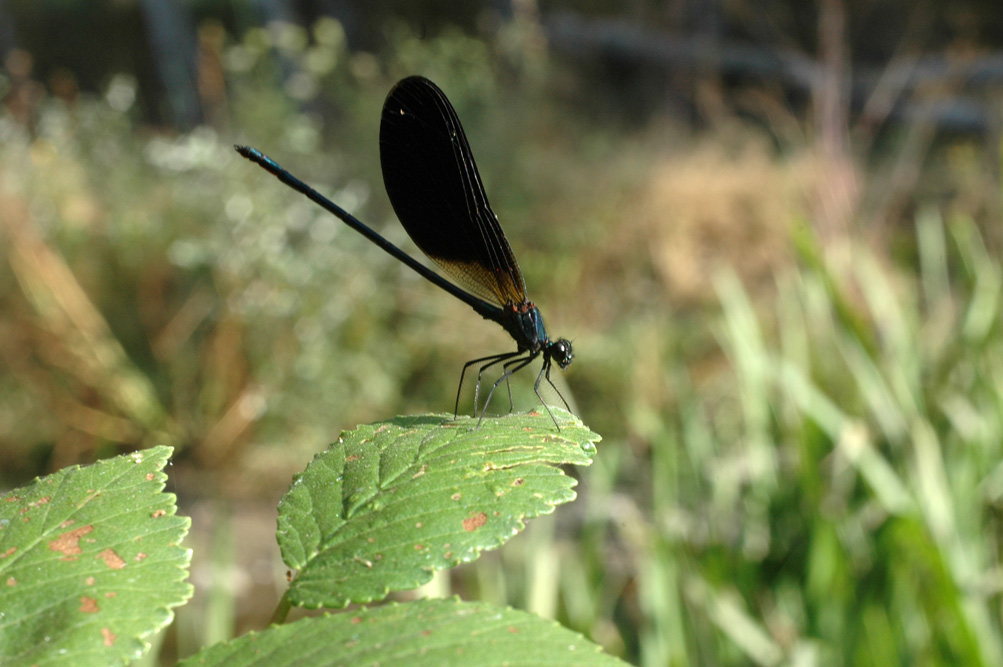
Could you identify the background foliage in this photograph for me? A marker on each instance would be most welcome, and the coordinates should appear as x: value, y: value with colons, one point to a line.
x: 785, y: 310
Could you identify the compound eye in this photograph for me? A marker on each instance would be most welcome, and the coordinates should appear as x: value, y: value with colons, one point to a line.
x: 561, y: 353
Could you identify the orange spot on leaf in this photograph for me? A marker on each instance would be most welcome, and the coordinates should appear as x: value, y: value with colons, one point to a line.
x: 109, y: 637
x: 112, y: 559
x: 470, y: 524
x: 9, y: 552
x: 89, y: 605
x: 68, y: 543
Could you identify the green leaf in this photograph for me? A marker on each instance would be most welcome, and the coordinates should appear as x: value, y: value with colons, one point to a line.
x: 392, y: 502
x: 426, y: 632
x: 90, y: 563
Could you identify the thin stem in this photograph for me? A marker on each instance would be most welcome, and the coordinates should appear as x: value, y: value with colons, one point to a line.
x: 282, y: 610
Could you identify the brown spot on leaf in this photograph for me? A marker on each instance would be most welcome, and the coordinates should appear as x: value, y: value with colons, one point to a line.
x: 419, y: 547
x: 514, y: 630
x: 470, y: 524
x: 356, y: 620
x: 68, y: 543
x: 12, y: 499
x: 518, y: 481
x: 456, y: 496
x: 109, y: 637
x: 112, y: 559
x: 89, y: 581
x: 419, y: 524
x: 11, y: 581
x: 158, y: 514
x: 111, y: 594
x: 351, y: 457
x: 140, y: 556
x: 67, y: 523
x: 150, y: 477
x: 89, y: 605
x: 9, y: 552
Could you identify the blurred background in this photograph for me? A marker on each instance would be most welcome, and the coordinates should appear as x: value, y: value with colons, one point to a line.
x: 771, y: 228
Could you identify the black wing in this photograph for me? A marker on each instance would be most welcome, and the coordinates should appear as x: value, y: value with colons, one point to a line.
x: 434, y: 187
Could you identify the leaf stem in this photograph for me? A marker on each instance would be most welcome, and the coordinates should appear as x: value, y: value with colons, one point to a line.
x: 282, y: 610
